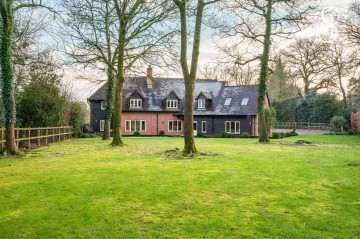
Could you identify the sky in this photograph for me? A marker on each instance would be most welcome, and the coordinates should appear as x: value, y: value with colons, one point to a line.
x: 83, y: 89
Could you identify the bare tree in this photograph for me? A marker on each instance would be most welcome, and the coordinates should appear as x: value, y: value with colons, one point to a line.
x: 308, y: 62
x: 255, y: 25
x: 8, y: 9
x: 232, y: 74
x: 189, y: 74
x: 90, y: 37
x: 143, y: 36
x: 350, y: 25
x: 343, y: 61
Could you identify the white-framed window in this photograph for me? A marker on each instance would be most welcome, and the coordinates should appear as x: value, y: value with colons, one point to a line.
x: 227, y: 101
x: 102, y: 125
x: 245, y: 101
x: 203, y: 126
x: 201, y: 104
x: 136, y: 103
x: 135, y: 125
x: 172, y: 104
x: 232, y: 127
x: 103, y: 106
x: 175, y: 125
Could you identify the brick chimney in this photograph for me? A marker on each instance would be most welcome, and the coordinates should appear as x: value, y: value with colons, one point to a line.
x: 149, y: 77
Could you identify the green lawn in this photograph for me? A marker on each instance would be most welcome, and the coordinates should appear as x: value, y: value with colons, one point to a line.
x: 84, y: 188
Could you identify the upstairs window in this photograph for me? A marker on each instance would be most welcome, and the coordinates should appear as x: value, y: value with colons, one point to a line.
x: 103, y: 105
x: 136, y: 103
x: 201, y: 104
x: 245, y: 101
x: 172, y: 104
x: 227, y: 101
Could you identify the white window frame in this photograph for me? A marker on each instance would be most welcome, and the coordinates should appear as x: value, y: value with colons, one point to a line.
x: 102, y: 123
x: 228, y: 129
x: 131, y: 122
x: 135, y: 103
x: 203, y: 129
x: 245, y: 101
x: 201, y: 104
x: 172, y: 104
x: 103, y: 105
x: 178, y: 122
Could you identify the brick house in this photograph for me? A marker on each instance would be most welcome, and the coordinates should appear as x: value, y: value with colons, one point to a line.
x: 151, y: 105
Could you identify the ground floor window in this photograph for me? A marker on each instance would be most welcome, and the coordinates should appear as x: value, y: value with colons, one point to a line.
x: 203, y: 126
x: 232, y: 127
x: 175, y: 125
x: 135, y: 125
x: 102, y: 125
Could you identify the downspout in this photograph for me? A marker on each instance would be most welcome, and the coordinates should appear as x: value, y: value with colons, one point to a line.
x: 157, y: 123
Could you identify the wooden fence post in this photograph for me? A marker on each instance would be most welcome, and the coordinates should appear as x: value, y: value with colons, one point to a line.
x: 46, y: 138
x: 29, y: 140
x: 39, y: 137
x: 17, y: 137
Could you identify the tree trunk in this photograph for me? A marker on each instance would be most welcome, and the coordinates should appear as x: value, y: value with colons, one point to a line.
x: 109, y: 104
x: 189, y: 147
x: 7, y: 77
x: 343, y: 92
x: 117, y: 136
x: 263, y: 136
x: 120, y: 79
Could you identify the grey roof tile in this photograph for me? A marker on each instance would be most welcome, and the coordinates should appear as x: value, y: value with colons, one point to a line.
x: 214, y: 90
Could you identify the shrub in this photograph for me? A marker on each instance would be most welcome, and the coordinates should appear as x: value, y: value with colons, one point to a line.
x: 161, y: 133
x: 245, y: 135
x: 200, y: 134
x: 285, y: 108
x: 337, y: 124
x: 276, y: 135
x: 270, y: 118
x: 223, y: 134
x: 136, y: 133
x: 293, y: 133
x: 351, y: 131
x: 77, y: 135
x: 308, y: 109
x: 85, y: 136
x: 283, y: 135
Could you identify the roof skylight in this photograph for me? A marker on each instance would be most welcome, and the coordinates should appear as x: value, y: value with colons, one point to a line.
x: 245, y: 101
x: 227, y: 101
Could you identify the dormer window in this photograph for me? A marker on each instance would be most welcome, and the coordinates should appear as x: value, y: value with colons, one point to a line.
x: 201, y: 104
x: 172, y: 104
x: 245, y: 101
x: 136, y: 103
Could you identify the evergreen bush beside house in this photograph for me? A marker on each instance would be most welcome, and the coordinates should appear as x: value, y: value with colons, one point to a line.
x: 337, y: 124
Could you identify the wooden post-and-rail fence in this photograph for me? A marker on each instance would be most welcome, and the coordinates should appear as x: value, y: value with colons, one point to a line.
x: 25, y: 137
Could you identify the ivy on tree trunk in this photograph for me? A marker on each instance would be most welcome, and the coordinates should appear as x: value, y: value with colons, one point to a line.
x: 263, y: 135
x: 109, y: 104
x: 7, y: 76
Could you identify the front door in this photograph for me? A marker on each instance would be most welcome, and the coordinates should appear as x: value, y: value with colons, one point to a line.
x: 195, y: 128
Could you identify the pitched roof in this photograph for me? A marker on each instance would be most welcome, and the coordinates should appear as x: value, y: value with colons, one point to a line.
x: 215, y: 90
